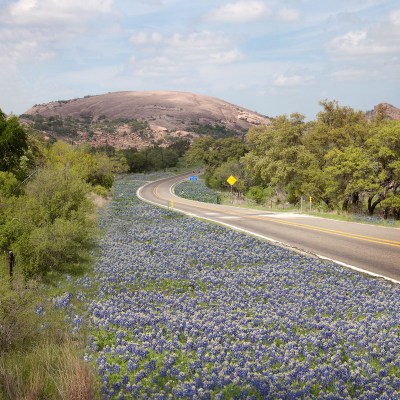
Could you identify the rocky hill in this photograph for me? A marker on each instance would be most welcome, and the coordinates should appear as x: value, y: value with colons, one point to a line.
x: 390, y: 111
x: 137, y: 119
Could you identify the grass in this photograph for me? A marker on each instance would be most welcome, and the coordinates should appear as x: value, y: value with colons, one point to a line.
x: 40, y: 358
x: 47, y: 371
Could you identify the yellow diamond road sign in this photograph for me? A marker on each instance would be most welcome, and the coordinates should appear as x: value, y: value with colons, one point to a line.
x: 231, y: 180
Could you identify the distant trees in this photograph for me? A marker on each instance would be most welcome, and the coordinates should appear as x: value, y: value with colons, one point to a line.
x: 341, y: 159
x: 221, y: 158
x: 344, y: 161
x: 155, y: 157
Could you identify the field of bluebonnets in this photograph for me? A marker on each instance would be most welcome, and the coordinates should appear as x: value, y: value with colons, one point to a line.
x: 191, y: 310
x: 197, y: 190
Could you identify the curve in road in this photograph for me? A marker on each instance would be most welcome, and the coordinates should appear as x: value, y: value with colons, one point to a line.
x: 369, y: 249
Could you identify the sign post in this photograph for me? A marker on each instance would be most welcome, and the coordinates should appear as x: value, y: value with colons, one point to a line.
x: 310, y: 202
x: 231, y: 180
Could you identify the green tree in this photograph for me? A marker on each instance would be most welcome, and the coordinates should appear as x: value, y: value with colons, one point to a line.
x: 384, y: 152
x: 180, y: 146
x: 336, y: 127
x: 277, y: 156
x: 13, y: 142
x: 9, y: 185
x: 198, y: 150
x: 223, y: 150
x: 135, y: 159
x: 217, y: 179
x: 348, y: 175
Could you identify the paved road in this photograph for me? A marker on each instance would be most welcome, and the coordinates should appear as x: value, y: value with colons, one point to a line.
x: 370, y: 248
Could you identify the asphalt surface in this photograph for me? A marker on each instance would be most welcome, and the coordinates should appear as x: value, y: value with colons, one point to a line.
x: 371, y: 249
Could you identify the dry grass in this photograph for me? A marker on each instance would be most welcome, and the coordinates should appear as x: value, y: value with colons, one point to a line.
x: 38, y: 362
x: 47, y: 372
x: 75, y: 378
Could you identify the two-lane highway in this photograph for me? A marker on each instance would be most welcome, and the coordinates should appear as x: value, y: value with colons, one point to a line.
x: 373, y: 249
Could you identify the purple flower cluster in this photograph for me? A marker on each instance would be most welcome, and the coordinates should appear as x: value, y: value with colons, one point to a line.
x: 191, y: 310
x: 62, y: 301
x: 197, y: 190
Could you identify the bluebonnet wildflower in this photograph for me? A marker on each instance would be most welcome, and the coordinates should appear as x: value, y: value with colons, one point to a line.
x: 186, y: 309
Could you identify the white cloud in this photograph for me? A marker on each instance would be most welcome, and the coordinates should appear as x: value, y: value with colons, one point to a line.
x: 195, y: 47
x: 142, y: 38
x: 49, y: 12
x: 292, y: 80
x: 226, y: 57
x: 21, y: 45
x: 288, y: 15
x: 179, y: 54
x: 139, y: 38
x: 240, y: 11
x: 380, y: 39
x: 350, y: 74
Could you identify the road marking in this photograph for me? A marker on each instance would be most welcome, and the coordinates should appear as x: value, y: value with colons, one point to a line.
x: 333, y: 232
x: 352, y: 267
x: 261, y: 217
x: 286, y: 215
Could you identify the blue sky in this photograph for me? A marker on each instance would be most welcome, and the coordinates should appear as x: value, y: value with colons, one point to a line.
x: 273, y: 57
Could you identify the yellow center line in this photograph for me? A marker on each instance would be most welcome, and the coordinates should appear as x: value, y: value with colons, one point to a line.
x: 331, y: 231
x: 289, y: 223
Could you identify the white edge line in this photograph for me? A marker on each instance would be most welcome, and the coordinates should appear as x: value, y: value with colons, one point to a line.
x: 352, y: 267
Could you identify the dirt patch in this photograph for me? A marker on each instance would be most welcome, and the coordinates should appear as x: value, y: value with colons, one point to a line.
x: 99, y: 201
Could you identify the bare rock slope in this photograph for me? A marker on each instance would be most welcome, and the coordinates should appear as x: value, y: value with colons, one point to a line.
x: 136, y: 119
x: 391, y: 112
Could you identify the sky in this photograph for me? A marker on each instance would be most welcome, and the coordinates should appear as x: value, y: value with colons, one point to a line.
x: 273, y: 57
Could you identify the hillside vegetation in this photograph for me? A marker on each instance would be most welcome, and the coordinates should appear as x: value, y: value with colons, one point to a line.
x: 342, y: 161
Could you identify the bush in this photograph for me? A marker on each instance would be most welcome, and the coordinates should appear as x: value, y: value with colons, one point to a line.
x: 9, y: 184
x: 60, y: 246
x: 50, y: 227
x: 259, y: 194
x: 101, y: 191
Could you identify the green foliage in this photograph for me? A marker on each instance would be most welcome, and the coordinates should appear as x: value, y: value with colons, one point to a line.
x: 217, y: 131
x: 276, y: 150
x: 9, y: 185
x: 50, y: 225
x: 259, y: 194
x: 223, y: 150
x: 221, y: 158
x: 101, y: 191
x: 198, y: 150
x: 216, y: 178
x: 156, y: 157
x: 60, y: 246
x: 13, y: 142
x: 392, y: 205
x: 138, y: 126
x: 341, y: 159
x: 96, y: 168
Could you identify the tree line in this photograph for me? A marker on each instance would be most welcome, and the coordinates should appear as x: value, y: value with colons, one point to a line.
x: 342, y: 160
x: 46, y: 214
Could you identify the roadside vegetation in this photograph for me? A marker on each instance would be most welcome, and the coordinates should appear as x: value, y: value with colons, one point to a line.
x: 48, y: 221
x: 341, y: 161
